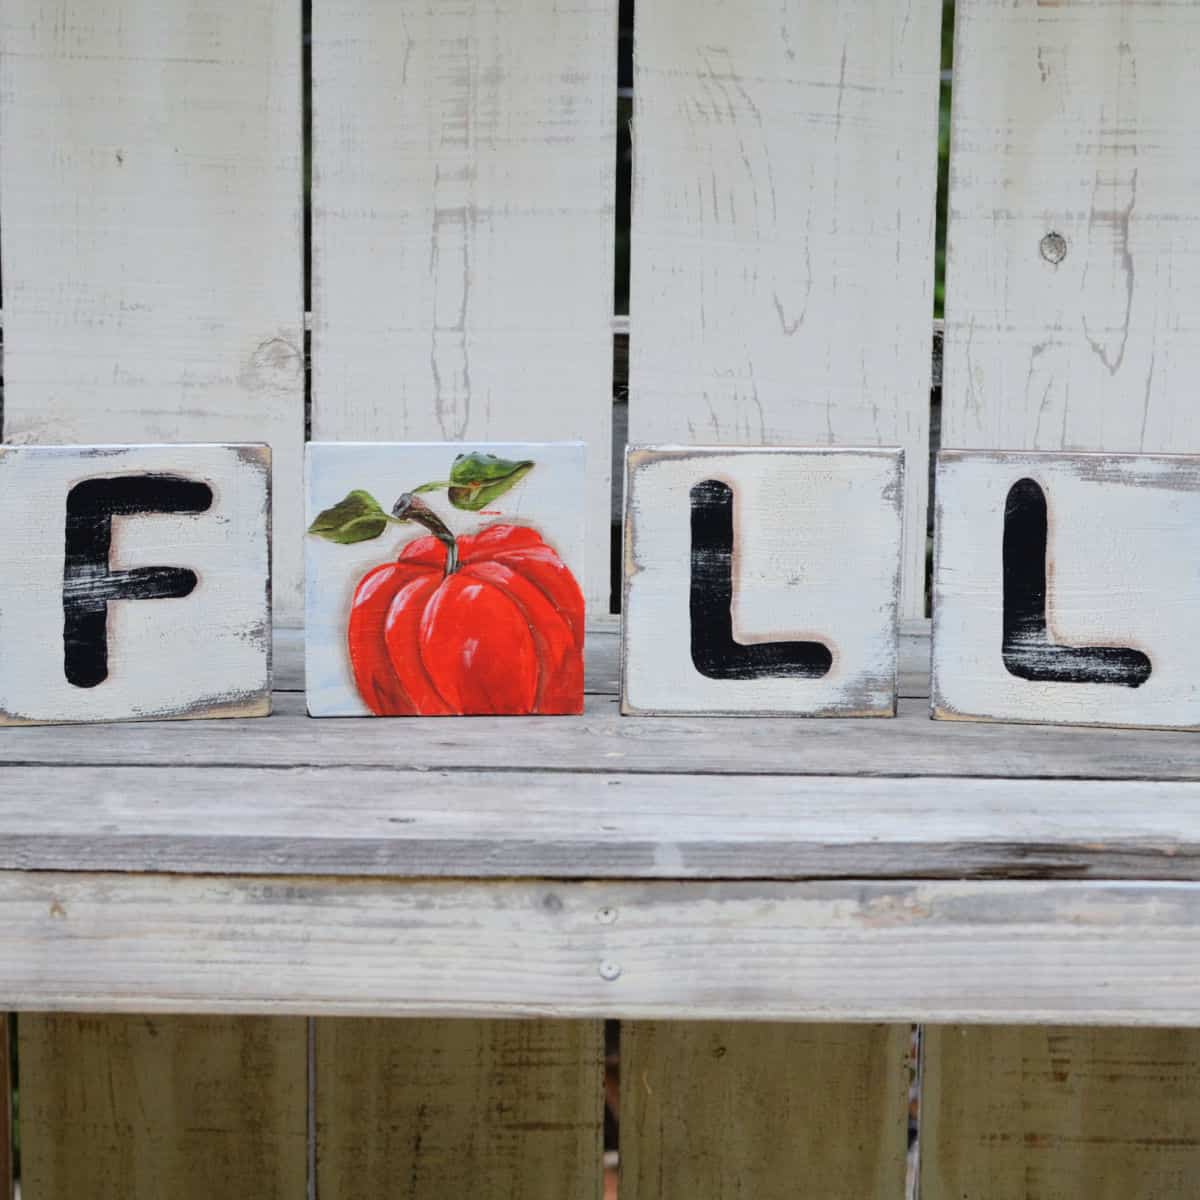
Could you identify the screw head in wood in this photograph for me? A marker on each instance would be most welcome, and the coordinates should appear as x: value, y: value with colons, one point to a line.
x: 610, y: 970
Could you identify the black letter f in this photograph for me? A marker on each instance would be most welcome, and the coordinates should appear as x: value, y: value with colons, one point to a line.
x: 88, y: 584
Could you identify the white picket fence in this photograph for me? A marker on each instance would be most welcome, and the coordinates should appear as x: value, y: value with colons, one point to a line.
x: 152, y: 253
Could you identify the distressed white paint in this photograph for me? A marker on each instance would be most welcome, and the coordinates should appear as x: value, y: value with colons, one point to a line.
x: 463, y: 199
x: 150, y: 210
x: 550, y: 499
x: 817, y: 551
x: 206, y: 654
x: 1075, y: 118
x: 1123, y: 569
x: 783, y: 221
x: 1083, y: 953
x: 578, y: 824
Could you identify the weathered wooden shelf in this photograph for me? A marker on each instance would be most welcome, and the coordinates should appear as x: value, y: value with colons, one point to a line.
x: 871, y: 869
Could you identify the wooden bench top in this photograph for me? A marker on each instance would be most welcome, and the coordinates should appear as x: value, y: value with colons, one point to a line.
x: 865, y: 869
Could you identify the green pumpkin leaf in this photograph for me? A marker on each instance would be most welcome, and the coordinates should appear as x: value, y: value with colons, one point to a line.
x: 477, y: 479
x: 358, y: 518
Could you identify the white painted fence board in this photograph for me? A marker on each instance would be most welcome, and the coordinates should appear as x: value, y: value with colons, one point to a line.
x: 150, y: 208
x: 1084, y: 953
x: 783, y: 220
x: 463, y: 196
x: 1073, y: 118
x: 601, y: 740
x: 504, y: 824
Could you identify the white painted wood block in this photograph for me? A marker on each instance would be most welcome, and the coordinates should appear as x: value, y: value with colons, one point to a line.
x: 135, y: 582
x: 761, y: 581
x: 463, y: 598
x: 1066, y: 588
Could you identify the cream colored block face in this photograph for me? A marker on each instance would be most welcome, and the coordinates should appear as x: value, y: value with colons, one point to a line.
x: 134, y: 582
x: 1066, y: 588
x: 761, y: 581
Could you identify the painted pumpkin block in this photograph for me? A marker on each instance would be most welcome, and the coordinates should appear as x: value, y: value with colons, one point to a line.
x: 135, y: 583
x: 761, y: 581
x: 444, y: 579
x: 1066, y: 588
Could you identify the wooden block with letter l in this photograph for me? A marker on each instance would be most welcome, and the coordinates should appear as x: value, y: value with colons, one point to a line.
x: 761, y: 581
x: 1066, y: 589
x: 443, y: 579
x: 135, y: 582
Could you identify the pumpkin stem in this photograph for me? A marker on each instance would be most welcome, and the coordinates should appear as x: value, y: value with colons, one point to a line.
x: 410, y: 508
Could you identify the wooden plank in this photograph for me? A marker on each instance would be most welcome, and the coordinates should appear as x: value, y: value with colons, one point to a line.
x: 602, y: 654
x: 996, y: 951
x: 142, y: 1107
x: 505, y: 824
x: 719, y: 619
x: 769, y: 1111
x: 463, y: 194
x: 457, y: 1108
x: 783, y: 219
x: 6, y: 1126
x: 1060, y: 1114
x: 151, y: 217
x: 602, y: 741
x: 1073, y: 288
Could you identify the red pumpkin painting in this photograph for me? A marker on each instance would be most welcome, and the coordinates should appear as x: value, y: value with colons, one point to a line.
x: 490, y: 622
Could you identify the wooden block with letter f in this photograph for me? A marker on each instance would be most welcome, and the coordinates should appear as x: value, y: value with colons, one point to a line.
x: 761, y: 581
x: 135, y: 582
x: 1066, y: 588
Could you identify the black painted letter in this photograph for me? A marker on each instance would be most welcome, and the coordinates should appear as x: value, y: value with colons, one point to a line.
x: 714, y: 651
x: 88, y: 584
x: 1027, y: 650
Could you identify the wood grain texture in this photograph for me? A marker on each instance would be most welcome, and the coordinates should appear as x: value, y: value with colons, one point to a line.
x: 143, y: 1107
x: 150, y: 209
x: 601, y: 741
x: 1100, y: 630
x: 463, y: 193
x: 430, y: 1109
x: 783, y: 220
x: 769, y: 1111
x: 761, y: 581
x: 6, y: 1127
x: 605, y: 825
x: 1068, y: 125
x: 995, y: 951
x: 135, y: 582
x: 1060, y: 1114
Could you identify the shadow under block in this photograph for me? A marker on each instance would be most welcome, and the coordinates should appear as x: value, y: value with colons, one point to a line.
x: 1066, y: 589
x: 762, y: 581
x: 135, y: 583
